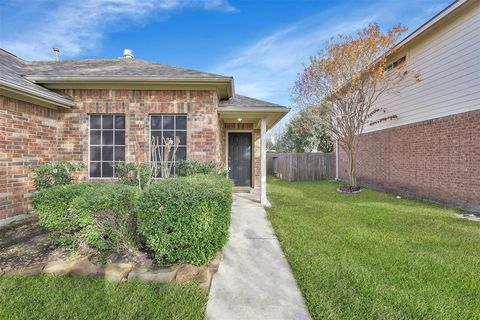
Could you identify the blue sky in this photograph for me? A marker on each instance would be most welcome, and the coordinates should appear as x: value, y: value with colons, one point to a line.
x: 262, y: 43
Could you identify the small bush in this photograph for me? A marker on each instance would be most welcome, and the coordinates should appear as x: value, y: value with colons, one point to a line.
x: 99, y: 215
x: 133, y: 174
x: 186, y: 220
x: 191, y: 167
x: 56, y: 173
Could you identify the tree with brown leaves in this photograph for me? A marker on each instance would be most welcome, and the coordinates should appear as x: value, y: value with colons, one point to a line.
x: 346, y: 79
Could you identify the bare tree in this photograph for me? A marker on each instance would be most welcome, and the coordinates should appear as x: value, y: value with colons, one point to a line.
x: 346, y: 79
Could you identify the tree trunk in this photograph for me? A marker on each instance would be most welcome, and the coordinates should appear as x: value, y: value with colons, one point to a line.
x: 351, y: 166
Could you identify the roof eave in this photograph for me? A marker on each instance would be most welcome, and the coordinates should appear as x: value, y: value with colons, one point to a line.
x: 65, y: 81
x: 430, y: 23
x: 29, y: 95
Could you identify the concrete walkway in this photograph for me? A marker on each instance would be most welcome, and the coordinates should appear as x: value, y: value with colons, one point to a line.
x: 254, y: 280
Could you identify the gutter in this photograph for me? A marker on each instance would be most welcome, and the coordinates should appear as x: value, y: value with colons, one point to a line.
x: 278, y: 109
x: 31, y: 93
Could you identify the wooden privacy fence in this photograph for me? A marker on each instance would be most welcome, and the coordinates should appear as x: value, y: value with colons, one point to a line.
x: 301, y: 166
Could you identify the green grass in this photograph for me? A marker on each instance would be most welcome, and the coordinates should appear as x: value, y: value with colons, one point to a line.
x: 371, y: 256
x: 56, y: 297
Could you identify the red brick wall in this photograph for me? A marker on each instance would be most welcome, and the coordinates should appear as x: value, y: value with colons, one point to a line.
x: 27, y: 137
x: 138, y: 105
x: 31, y: 134
x: 437, y: 159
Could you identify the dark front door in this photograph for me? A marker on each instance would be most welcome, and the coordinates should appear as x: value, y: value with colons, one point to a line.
x: 240, y: 158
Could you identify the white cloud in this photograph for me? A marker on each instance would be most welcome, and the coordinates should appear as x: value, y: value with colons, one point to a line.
x: 267, y: 68
x: 78, y: 26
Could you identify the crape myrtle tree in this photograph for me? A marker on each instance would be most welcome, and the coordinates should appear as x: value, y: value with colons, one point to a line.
x: 346, y: 79
x: 307, y: 132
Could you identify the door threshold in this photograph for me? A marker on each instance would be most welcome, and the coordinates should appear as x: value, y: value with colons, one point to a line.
x: 242, y: 189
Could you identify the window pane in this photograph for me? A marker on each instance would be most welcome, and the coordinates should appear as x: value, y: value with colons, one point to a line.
x: 107, y: 122
x: 156, y: 122
x: 95, y: 154
x: 107, y: 137
x: 119, y: 153
x: 157, y: 134
x: 95, y: 137
x: 183, y: 137
x: 182, y: 153
x: 95, y: 168
x: 119, y: 138
x: 168, y: 134
x: 95, y: 122
x: 181, y: 122
x: 107, y: 153
x: 107, y: 169
x: 119, y: 122
x: 168, y: 122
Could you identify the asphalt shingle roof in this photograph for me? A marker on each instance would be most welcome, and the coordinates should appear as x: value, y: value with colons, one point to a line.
x: 244, y: 101
x: 12, y: 70
x: 111, y: 67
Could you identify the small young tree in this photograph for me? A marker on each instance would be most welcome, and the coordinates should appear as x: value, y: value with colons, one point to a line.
x: 346, y: 80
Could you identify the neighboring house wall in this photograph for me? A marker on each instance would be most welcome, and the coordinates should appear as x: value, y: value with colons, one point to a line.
x: 448, y: 62
x: 27, y: 137
x: 137, y: 105
x: 435, y: 159
x: 432, y: 150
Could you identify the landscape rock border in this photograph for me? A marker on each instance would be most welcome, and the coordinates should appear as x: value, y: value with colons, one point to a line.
x: 349, y: 192
x: 82, y: 266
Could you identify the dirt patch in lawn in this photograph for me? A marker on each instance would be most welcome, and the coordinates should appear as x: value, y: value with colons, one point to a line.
x: 25, y: 243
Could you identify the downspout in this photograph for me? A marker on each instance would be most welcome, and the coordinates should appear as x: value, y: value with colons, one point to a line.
x: 336, y: 159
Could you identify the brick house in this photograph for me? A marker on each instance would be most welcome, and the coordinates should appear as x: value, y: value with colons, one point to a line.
x: 103, y: 111
x: 432, y: 149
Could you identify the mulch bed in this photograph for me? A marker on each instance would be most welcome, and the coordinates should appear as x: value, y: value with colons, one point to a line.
x: 24, y: 243
x: 25, y: 249
x: 349, y: 189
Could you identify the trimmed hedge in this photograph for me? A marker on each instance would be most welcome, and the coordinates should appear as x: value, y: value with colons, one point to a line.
x: 187, y: 219
x: 99, y: 215
x: 185, y: 168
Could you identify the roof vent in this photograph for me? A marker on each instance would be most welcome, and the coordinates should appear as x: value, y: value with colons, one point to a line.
x: 128, y: 54
x: 56, y: 54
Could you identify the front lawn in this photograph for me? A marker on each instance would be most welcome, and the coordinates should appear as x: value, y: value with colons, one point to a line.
x: 370, y: 256
x: 56, y: 297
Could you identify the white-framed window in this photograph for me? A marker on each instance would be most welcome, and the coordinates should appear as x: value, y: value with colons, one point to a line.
x: 106, y: 144
x: 164, y: 126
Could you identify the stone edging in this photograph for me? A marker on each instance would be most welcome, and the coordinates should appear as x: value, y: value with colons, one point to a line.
x: 122, y: 272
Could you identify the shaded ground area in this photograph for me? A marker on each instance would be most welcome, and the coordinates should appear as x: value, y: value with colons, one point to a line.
x: 24, y: 243
x: 371, y: 256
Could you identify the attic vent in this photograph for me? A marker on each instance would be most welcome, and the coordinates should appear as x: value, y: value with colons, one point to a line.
x: 396, y: 64
x: 128, y: 54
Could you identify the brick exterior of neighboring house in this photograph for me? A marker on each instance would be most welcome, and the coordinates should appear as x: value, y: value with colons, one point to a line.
x: 437, y: 159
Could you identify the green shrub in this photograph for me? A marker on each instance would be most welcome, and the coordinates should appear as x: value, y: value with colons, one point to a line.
x: 55, y: 173
x: 186, y: 220
x: 99, y: 215
x: 185, y: 168
x: 133, y: 174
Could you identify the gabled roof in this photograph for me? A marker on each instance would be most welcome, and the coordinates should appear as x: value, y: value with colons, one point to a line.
x: 37, y: 78
x: 12, y: 70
